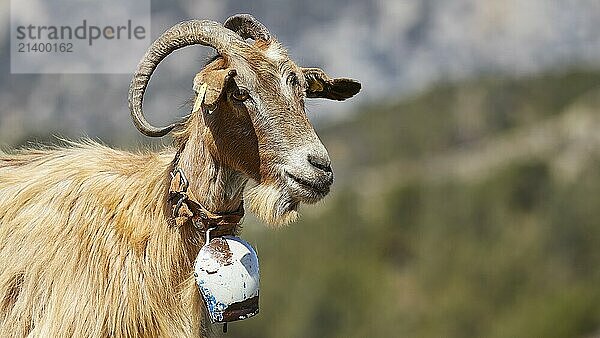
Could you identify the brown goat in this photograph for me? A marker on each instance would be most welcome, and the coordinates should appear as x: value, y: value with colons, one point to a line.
x: 90, y: 245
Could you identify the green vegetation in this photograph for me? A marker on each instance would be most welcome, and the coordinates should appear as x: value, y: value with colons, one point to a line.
x: 511, y: 253
x: 406, y: 246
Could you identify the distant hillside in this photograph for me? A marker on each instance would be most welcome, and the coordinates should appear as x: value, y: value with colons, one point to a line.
x: 452, y: 116
x: 468, y: 211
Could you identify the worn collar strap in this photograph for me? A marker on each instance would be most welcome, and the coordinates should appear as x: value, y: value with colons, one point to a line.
x: 184, y: 208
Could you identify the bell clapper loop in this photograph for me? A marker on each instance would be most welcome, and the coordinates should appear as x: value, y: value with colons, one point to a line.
x: 208, y: 234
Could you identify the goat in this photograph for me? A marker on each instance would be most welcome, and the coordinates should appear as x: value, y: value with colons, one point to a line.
x: 100, y: 242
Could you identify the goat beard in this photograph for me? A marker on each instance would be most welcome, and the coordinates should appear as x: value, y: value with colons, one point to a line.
x: 272, y: 204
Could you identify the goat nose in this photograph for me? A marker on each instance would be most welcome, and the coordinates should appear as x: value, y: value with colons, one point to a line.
x: 321, y: 162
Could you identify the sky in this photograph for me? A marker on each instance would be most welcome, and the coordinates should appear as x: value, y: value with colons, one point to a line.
x: 396, y: 48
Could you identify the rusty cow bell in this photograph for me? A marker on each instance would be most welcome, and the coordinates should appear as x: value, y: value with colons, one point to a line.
x: 227, y: 275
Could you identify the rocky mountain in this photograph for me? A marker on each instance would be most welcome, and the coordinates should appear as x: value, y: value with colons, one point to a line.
x: 393, y: 47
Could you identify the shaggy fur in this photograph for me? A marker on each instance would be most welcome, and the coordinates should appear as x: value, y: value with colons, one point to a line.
x: 80, y: 243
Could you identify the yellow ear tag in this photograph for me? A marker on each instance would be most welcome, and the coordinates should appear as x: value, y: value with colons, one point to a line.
x: 315, y: 86
x: 200, y: 97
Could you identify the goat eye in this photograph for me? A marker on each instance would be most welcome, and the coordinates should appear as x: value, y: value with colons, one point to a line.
x: 241, y: 95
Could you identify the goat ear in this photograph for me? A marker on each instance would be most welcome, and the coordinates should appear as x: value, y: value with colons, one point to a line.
x: 217, y: 83
x: 320, y: 85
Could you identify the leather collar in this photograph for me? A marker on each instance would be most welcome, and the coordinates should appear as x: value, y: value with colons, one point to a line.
x: 184, y: 209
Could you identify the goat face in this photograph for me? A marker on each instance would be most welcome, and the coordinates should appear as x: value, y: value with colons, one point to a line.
x: 254, y: 111
x: 259, y: 126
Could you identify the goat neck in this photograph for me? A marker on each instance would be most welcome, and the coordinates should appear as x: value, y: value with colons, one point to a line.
x: 213, y: 184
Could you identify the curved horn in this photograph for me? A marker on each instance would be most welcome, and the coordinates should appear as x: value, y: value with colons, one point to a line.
x: 203, y: 32
x: 248, y: 27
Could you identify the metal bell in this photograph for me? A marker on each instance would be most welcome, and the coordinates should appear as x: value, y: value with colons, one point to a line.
x: 227, y: 275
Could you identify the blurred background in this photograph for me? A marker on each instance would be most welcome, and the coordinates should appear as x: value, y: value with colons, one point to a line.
x: 466, y: 201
